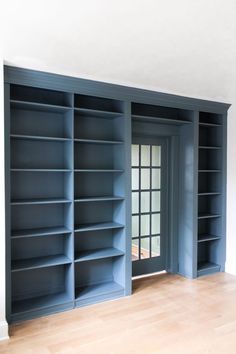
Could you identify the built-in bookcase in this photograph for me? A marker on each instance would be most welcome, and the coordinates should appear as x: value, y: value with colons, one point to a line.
x: 210, y: 193
x: 99, y: 164
x: 67, y: 200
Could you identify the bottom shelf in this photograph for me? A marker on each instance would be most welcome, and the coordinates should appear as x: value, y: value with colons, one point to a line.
x: 207, y: 268
x: 40, y: 302
x: 98, y: 292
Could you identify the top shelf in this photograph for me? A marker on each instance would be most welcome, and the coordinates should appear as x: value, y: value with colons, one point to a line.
x: 44, y: 107
x: 137, y: 117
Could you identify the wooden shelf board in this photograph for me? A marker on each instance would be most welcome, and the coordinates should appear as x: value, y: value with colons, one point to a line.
x: 208, y: 193
x: 138, y: 117
x: 37, y: 137
x: 204, y: 124
x: 99, y: 142
x: 206, y: 238
x: 209, y: 147
x: 204, y: 267
x: 208, y: 216
x: 209, y: 171
x: 97, y: 113
x: 39, y: 106
x: 98, y: 254
x: 40, y: 170
x: 98, y: 226
x: 37, y: 303
x: 98, y: 199
x: 46, y: 231
x: 98, y: 170
x: 97, y: 290
x: 40, y: 201
x: 39, y: 262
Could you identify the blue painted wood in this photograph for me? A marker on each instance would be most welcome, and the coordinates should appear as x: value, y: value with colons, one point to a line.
x: 40, y: 231
x: 98, y: 226
x: 39, y: 262
x: 98, y: 254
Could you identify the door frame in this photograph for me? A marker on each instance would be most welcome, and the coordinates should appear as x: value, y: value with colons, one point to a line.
x: 172, y: 195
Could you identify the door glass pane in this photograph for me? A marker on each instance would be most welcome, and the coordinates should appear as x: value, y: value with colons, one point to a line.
x: 156, y: 246
x: 135, y: 202
x: 135, y: 247
x: 145, y: 178
x: 145, y: 248
x: 145, y: 155
x: 156, y: 178
x: 156, y: 156
x: 155, y: 224
x: 145, y: 225
x: 145, y: 202
x: 156, y: 202
x: 135, y: 178
x: 135, y: 155
x: 135, y: 226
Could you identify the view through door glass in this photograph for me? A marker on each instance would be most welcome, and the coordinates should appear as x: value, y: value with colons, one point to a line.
x: 146, y: 207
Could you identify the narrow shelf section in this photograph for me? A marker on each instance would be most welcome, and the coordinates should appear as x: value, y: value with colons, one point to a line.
x: 207, y: 267
x: 137, y: 117
x: 96, y: 141
x: 205, y: 124
x: 40, y: 232
x: 99, y: 170
x: 39, y: 262
x: 209, y: 147
x: 209, y: 171
x: 98, y: 254
x: 39, y: 302
x: 38, y: 106
x: 206, y: 238
x: 97, y: 290
x: 98, y: 199
x: 98, y: 226
x: 40, y: 201
x: 208, y: 216
x: 37, y: 137
x: 39, y: 170
x: 97, y: 113
x: 208, y: 193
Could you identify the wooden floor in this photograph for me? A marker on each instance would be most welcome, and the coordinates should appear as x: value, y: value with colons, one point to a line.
x: 165, y: 314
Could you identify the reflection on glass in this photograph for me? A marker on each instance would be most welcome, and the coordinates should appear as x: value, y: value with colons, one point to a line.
x: 135, y: 226
x: 135, y: 178
x: 156, y: 202
x: 155, y: 224
x: 145, y: 225
x: 145, y: 248
x: 135, y: 252
x: 156, y: 246
x: 135, y: 202
x: 135, y: 155
x: 145, y: 202
x: 156, y: 156
x: 145, y: 155
x: 145, y: 178
x: 156, y: 178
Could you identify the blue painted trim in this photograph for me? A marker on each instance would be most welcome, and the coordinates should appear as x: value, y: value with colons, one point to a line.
x: 15, y: 75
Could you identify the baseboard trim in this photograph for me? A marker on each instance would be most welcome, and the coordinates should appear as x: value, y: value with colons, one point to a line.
x: 3, y: 330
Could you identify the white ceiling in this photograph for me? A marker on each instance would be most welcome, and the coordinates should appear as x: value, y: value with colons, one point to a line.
x: 183, y: 46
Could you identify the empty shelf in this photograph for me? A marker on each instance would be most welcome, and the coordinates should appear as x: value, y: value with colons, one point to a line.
x: 97, y: 113
x: 38, y: 106
x: 40, y: 201
x: 208, y: 193
x: 208, y: 216
x: 209, y: 171
x: 100, y: 142
x: 40, y: 170
x: 207, y: 267
x: 209, y: 147
x: 97, y: 290
x: 98, y: 199
x: 98, y: 254
x: 205, y: 238
x: 36, y: 137
x: 39, y: 262
x: 204, y: 124
x: 98, y: 226
x: 40, y: 232
x: 39, y: 302
x: 159, y: 119
x: 99, y: 170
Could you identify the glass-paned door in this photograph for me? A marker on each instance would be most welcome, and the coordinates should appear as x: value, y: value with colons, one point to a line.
x: 149, y: 205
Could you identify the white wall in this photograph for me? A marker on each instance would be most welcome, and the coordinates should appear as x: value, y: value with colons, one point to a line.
x: 184, y: 47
